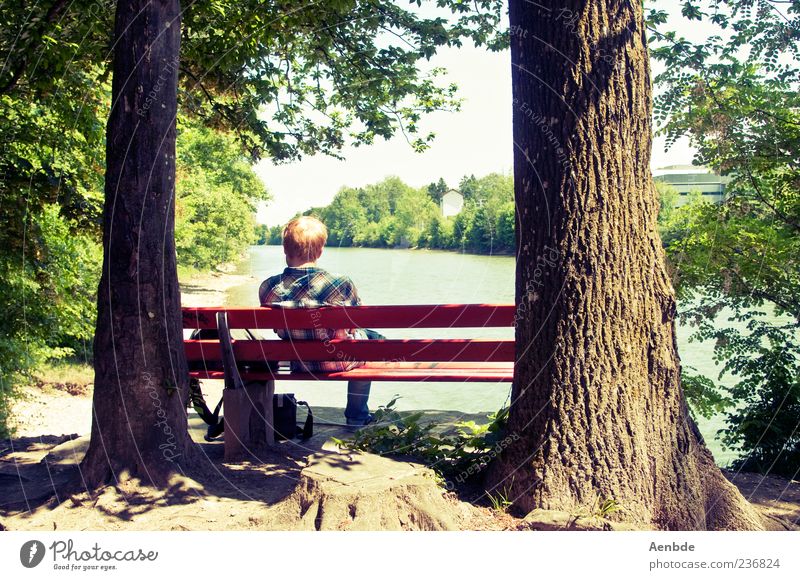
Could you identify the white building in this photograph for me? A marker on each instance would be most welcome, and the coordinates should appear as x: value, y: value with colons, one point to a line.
x: 452, y: 203
x: 688, y: 178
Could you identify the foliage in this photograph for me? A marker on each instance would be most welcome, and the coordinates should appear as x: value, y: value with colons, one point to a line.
x: 737, y: 264
x: 266, y: 235
x: 437, y: 189
x: 47, y: 299
x: 288, y: 80
x: 765, y: 423
x: 668, y: 200
x: 296, y: 81
x: 217, y: 194
x: 604, y: 507
x: 392, y: 214
x: 463, y: 452
x: 703, y: 395
x: 500, y: 500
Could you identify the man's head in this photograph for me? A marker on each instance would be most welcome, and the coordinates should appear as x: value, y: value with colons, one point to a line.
x: 303, y: 240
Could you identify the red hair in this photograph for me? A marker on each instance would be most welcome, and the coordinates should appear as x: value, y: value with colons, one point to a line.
x: 304, y: 238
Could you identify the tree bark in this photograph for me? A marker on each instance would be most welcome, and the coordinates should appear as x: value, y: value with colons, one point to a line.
x: 597, y: 399
x: 140, y: 424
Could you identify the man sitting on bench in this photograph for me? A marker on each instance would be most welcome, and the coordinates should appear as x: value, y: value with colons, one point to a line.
x: 304, y: 285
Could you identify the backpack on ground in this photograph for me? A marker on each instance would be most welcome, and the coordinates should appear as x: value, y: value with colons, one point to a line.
x: 284, y: 415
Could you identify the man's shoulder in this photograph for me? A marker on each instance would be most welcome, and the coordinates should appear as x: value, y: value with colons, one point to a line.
x: 338, y: 289
x: 268, y: 284
x: 272, y: 281
x: 339, y: 282
x: 338, y: 279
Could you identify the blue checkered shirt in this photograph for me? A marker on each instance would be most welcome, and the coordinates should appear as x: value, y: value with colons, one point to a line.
x: 310, y: 288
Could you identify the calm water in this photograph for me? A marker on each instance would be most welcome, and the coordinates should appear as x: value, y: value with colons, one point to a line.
x: 432, y: 277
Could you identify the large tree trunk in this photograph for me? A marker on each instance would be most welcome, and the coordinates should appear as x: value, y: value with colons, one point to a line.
x: 597, y: 400
x: 139, y: 425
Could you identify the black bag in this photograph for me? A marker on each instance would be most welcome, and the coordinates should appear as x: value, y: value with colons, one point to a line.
x: 284, y: 415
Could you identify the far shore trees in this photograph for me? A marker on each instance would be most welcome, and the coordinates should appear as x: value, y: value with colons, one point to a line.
x: 597, y: 400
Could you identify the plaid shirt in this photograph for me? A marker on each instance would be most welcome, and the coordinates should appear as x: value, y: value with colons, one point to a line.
x: 310, y: 288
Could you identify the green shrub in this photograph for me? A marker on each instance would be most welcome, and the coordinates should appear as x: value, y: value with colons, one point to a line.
x: 765, y: 426
x: 48, y: 301
x: 463, y: 452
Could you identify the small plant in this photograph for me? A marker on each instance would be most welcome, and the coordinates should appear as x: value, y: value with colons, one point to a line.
x: 601, y: 508
x: 500, y: 500
x: 604, y: 507
x: 464, y: 452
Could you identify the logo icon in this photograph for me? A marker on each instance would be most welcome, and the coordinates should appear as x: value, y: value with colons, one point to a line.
x: 31, y: 553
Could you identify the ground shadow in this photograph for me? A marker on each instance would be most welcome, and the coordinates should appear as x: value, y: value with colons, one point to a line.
x: 39, y: 474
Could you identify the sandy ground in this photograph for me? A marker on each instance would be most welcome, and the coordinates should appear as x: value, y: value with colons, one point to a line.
x: 209, y: 289
x: 53, y: 423
x: 53, y: 433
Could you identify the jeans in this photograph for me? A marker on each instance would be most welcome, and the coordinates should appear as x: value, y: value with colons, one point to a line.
x: 357, y: 411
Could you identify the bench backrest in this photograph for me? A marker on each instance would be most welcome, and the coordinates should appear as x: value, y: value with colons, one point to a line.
x: 337, y: 317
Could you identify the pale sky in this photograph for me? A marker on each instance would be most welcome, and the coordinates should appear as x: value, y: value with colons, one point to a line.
x: 476, y: 140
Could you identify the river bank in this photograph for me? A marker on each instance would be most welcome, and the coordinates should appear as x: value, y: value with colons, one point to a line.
x: 201, y: 289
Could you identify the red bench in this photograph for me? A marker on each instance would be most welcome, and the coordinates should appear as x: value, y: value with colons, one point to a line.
x: 247, y: 365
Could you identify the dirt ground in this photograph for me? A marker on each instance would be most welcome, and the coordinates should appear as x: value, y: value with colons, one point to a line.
x: 218, y: 496
x: 52, y: 433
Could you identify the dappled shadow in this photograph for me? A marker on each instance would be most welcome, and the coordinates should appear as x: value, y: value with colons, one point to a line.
x: 776, y: 496
x: 40, y: 481
x: 32, y: 482
x: 198, y: 289
x: 26, y: 480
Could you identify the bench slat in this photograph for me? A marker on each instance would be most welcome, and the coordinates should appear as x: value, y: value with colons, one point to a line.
x: 449, y: 350
x: 431, y: 372
x: 400, y: 316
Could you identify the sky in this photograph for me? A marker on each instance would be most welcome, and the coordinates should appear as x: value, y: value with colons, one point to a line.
x: 475, y: 140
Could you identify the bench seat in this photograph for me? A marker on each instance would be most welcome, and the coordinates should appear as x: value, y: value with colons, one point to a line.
x: 440, y: 359
x: 486, y: 372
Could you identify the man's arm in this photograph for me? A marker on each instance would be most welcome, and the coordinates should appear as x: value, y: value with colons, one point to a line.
x: 353, y: 299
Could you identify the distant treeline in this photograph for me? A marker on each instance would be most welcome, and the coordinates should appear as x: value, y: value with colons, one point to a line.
x: 392, y: 214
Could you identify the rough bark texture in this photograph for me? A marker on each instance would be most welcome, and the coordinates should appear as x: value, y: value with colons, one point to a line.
x: 139, y: 424
x: 597, y: 400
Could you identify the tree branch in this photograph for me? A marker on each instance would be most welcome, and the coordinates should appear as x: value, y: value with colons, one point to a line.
x: 54, y: 11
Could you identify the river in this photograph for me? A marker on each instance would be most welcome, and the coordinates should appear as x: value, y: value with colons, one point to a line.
x: 434, y: 277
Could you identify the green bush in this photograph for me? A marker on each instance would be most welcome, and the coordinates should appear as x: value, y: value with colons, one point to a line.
x: 765, y: 426
x: 217, y: 196
x: 462, y: 453
x: 48, y: 301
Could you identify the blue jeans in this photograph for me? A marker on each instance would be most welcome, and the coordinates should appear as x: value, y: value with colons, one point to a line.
x: 357, y: 411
